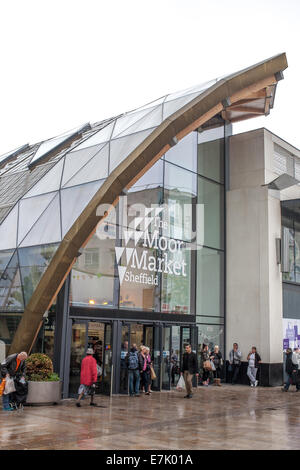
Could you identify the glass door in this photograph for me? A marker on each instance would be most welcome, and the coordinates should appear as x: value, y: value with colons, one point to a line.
x: 166, y: 358
x: 98, y: 336
x: 156, y: 357
x: 175, y: 355
x: 123, y: 388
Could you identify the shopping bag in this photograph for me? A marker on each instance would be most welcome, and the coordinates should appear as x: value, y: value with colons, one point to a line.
x: 2, y: 387
x: 212, y: 365
x: 181, y: 384
x: 9, y: 386
x: 153, y: 374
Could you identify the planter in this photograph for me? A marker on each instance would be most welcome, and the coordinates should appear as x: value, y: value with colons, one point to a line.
x: 44, y: 393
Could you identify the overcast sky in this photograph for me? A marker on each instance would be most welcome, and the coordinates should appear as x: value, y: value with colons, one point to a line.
x: 67, y: 62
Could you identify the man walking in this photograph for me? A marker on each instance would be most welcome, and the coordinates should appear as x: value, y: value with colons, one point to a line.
x: 88, y: 377
x: 235, y: 357
x: 189, y: 368
x: 134, y: 366
x: 13, y: 366
x: 291, y: 368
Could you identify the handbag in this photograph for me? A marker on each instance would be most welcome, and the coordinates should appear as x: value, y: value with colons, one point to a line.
x: 9, y: 386
x: 207, y: 365
x: 180, y: 384
x: 213, y: 367
x: 152, y: 373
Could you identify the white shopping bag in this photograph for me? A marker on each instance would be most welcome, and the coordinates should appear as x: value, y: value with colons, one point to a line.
x: 181, y: 384
x: 9, y: 386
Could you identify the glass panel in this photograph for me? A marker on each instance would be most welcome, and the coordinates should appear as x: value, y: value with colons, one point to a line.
x: 30, y: 209
x: 8, y: 326
x: 47, y: 228
x: 297, y: 251
x: 31, y: 276
x: 48, y: 183
x: 153, y: 119
x: 78, y: 350
x: 74, y: 200
x: 194, y: 89
x: 213, y: 335
x: 175, y: 355
x: 152, y: 179
x: 208, y: 135
x: 106, y: 382
x: 123, y: 367
x: 121, y: 148
x: 184, y: 153
x: 139, y: 285
x: 5, y: 257
x: 127, y: 120
x: 166, y: 358
x: 176, y: 288
x: 95, y: 169
x: 11, y: 294
x: 47, y: 147
x: 180, y: 196
x: 92, y: 278
x: 210, y: 282
x: 8, y: 230
x: 75, y: 160
x: 37, y: 255
x: 100, y: 137
x: 171, y: 107
x: 211, y: 160
x: 136, y: 335
x: 210, y: 231
x: 291, y: 275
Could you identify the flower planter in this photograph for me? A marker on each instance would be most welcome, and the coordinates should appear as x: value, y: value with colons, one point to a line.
x: 44, y: 393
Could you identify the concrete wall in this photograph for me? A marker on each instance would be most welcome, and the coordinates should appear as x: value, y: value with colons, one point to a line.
x: 254, y: 284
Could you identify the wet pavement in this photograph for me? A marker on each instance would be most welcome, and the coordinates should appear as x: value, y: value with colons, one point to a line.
x: 229, y: 417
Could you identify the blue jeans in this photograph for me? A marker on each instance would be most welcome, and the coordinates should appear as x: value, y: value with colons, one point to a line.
x: 5, y: 400
x: 134, y: 381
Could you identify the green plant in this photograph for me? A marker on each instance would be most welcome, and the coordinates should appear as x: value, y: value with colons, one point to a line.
x: 39, y: 368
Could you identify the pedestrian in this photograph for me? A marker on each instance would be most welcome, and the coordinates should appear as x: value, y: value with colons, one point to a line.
x: 146, y: 363
x: 123, y: 366
x: 134, y: 364
x: 206, y: 365
x: 235, y: 357
x: 254, y: 360
x: 189, y: 368
x: 88, y: 377
x: 291, y: 368
x: 216, y: 358
x: 14, y: 366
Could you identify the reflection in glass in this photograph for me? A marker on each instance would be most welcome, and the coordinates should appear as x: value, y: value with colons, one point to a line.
x: 211, y: 197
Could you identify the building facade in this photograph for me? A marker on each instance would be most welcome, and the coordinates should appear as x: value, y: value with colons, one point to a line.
x: 133, y: 230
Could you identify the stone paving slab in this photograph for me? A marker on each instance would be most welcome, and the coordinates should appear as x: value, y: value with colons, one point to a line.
x: 227, y: 417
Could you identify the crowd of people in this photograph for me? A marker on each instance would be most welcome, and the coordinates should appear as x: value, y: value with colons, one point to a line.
x: 140, y: 373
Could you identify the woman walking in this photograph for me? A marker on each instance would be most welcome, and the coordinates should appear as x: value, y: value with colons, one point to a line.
x: 216, y: 358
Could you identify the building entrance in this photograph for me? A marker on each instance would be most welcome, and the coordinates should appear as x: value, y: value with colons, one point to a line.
x: 98, y: 336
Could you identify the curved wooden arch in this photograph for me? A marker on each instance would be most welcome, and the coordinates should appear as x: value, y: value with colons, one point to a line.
x: 213, y: 101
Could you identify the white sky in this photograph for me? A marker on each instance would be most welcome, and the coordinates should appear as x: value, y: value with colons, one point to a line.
x: 67, y: 62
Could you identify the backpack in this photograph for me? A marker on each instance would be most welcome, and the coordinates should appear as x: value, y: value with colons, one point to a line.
x: 133, y: 362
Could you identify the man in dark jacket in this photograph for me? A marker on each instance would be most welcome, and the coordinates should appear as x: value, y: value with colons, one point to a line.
x: 189, y: 368
x: 291, y: 368
x: 13, y: 366
x: 134, y: 364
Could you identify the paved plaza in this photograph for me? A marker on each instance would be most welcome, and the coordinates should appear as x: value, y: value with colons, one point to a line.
x: 230, y: 417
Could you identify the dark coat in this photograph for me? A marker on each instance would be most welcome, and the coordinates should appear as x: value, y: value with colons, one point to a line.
x: 217, y: 359
x: 289, y: 365
x: 8, y: 366
x: 190, y: 363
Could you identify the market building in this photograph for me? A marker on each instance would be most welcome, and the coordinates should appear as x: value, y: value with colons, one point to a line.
x: 155, y: 227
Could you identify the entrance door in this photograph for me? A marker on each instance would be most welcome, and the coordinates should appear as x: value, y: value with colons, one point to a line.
x: 98, y: 336
x: 166, y: 358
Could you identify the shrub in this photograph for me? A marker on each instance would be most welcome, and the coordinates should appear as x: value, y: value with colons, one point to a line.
x: 39, y: 368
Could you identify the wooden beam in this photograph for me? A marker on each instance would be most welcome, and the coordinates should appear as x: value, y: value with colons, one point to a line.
x: 245, y: 109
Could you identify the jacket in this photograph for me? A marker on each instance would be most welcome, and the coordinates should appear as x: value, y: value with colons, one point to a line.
x: 235, y: 357
x: 8, y: 366
x: 88, y: 374
x: 257, y: 359
x: 217, y: 359
x: 190, y: 363
x: 290, y: 363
